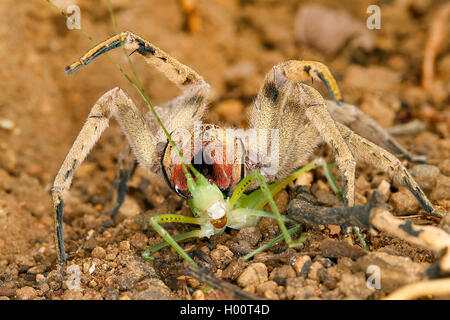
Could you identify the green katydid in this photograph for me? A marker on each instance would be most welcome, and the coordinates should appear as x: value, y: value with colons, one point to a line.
x: 238, y: 211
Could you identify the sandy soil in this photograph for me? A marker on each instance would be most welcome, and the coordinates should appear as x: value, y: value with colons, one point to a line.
x: 238, y: 43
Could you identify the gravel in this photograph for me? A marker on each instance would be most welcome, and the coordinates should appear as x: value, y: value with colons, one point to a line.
x: 254, y: 274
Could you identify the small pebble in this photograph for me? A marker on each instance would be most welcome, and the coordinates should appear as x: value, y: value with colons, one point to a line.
x: 334, y: 230
x: 9, y: 292
x: 92, y: 268
x: 269, y: 294
x: 250, y: 234
x: 281, y: 200
x: 241, y: 248
x: 444, y: 166
x: 129, y: 209
x: 305, y: 180
x: 404, y: 202
x: 268, y: 285
x: 37, y: 269
x: 384, y: 188
x: 193, y: 283
x: 127, y: 281
x: 250, y: 289
x: 111, y: 293
x: 157, y: 290
x: 300, y: 263
x: 314, y: 271
x: 254, y: 274
x: 73, y: 294
x: 110, y: 256
x: 26, y: 293
x: 139, y: 240
x: 282, y: 272
x: 218, y: 274
x: 361, y: 183
x: 425, y: 175
x: 6, y: 124
x: 25, y: 262
x: 234, y: 269
x: 40, y: 278
x: 86, y: 267
x: 268, y: 227
x: 326, y: 262
x: 11, y: 272
x: 99, y: 253
x: 198, y: 295
x: 310, y: 291
x: 91, y: 243
x: 442, y: 189
x: 124, y: 245
x: 44, y: 288
x: 54, y: 279
x: 221, y: 256
x: 353, y: 286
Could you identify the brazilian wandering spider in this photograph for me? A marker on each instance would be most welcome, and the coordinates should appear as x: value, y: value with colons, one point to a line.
x: 296, y: 112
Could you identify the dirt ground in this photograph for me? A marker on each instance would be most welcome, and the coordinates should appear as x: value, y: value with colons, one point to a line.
x: 233, y: 45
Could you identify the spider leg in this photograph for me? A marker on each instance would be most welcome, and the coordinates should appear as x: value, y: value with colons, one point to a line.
x: 370, y: 153
x: 175, y: 71
x: 345, y: 113
x: 113, y: 103
x: 325, y: 125
x: 278, y: 106
x: 368, y: 128
x: 179, y: 113
x: 301, y: 70
x: 183, y: 110
x: 300, y: 115
x: 116, y: 193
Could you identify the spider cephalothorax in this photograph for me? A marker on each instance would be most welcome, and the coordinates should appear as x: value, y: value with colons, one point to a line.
x: 285, y: 108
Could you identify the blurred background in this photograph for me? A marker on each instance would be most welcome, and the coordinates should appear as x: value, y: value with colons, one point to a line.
x: 232, y: 44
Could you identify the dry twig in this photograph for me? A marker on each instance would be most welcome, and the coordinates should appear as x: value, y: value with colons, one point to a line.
x: 428, y: 237
x: 375, y: 215
x: 192, y: 19
x: 435, y: 38
x: 412, y: 127
x: 421, y: 289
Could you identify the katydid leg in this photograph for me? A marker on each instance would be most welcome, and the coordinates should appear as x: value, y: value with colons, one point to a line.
x: 167, y: 237
x: 266, y: 246
x: 147, y: 254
